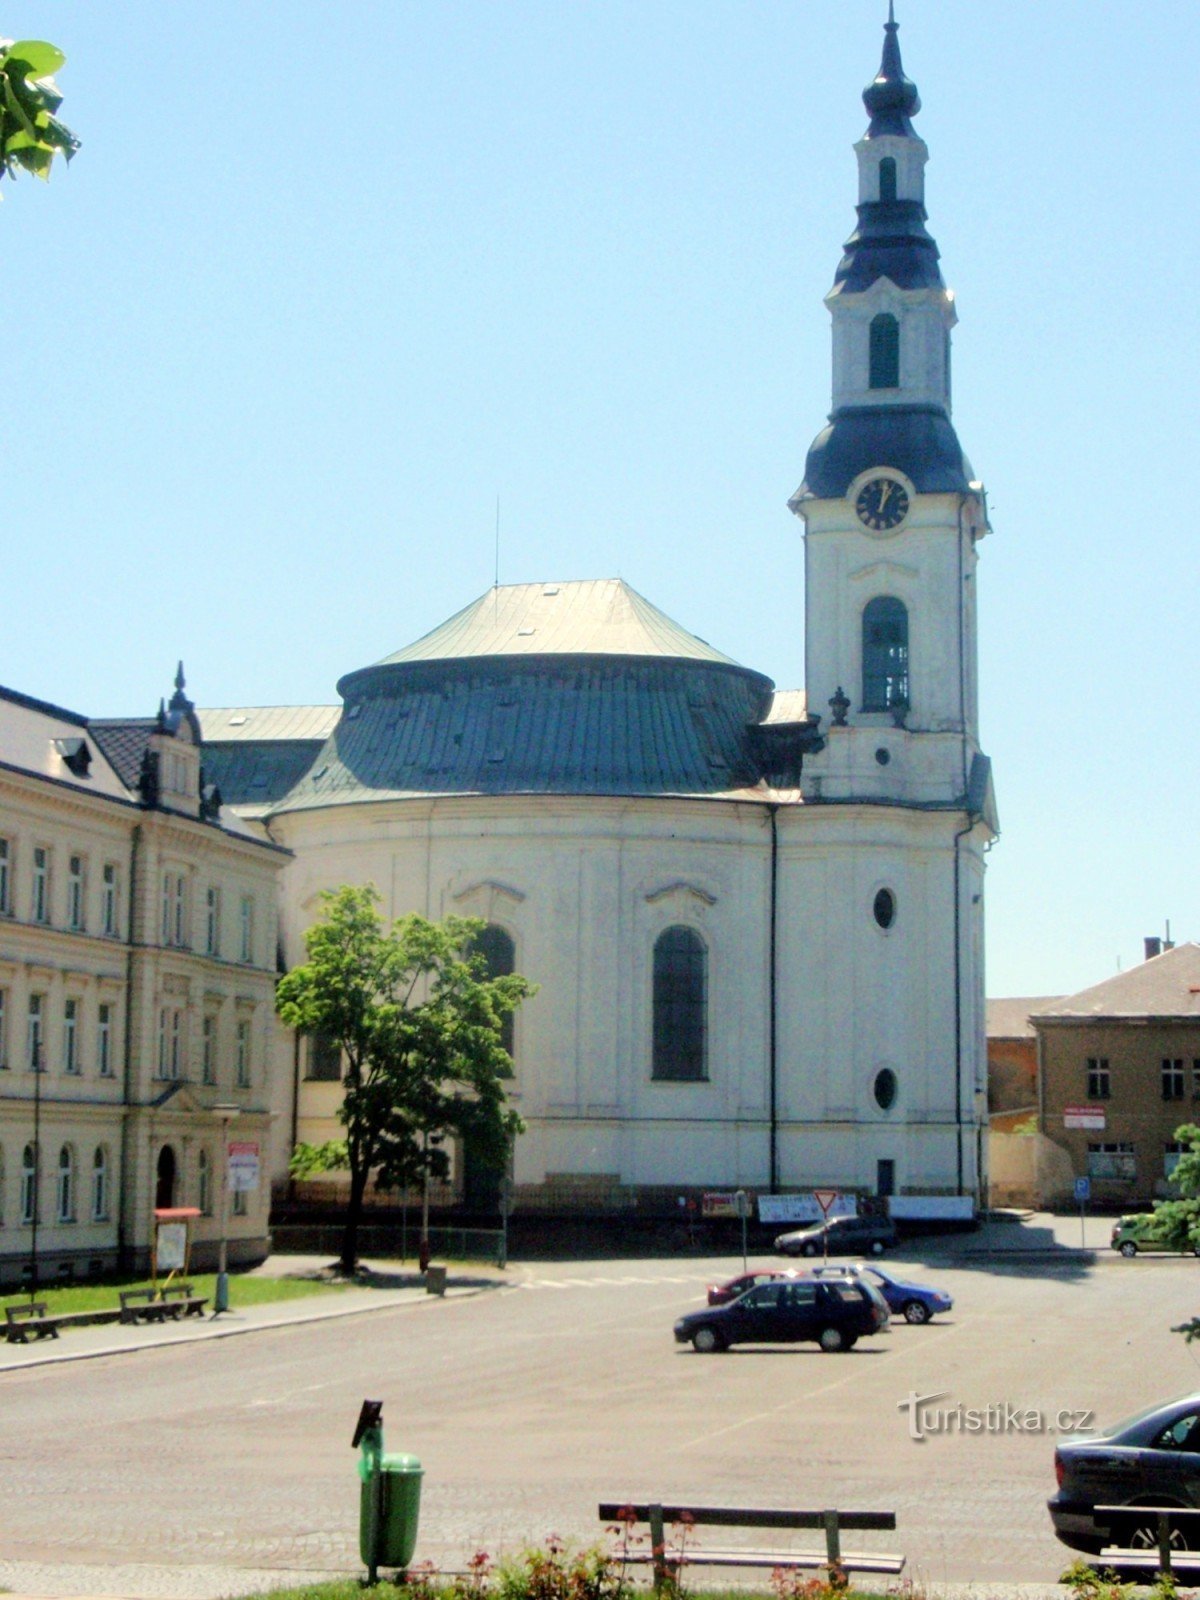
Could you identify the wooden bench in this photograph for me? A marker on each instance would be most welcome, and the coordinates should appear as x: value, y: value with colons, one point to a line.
x: 1162, y: 1521
x: 664, y: 1560
x: 143, y: 1304
x: 21, y: 1321
x: 182, y: 1300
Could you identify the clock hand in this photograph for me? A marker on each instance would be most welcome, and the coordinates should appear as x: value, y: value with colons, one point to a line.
x: 885, y: 490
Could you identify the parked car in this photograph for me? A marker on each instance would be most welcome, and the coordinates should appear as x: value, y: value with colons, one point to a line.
x: 913, y: 1301
x: 1142, y: 1231
x: 720, y: 1294
x: 847, y: 1236
x: 1152, y: 1458
x: 834, y: 1315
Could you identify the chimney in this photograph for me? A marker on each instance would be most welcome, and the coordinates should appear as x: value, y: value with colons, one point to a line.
x: 1153, y: 946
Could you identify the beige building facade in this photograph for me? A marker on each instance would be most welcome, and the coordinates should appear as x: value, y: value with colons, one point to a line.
x: 137, y: 961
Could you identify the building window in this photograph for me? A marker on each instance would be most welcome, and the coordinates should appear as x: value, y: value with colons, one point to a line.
x: 1172, y: 1151
x: 885, y: 654
x: 885, y: 908
x: 75, y: 894
x: 5, y: 877
x: 1195, y: 1076
x: 208, y: 1054
x: 34, y: 1038
x: 885, y: 351
x: 108, y: 900
x: 104, y: 1063
x: 40, y: 905
x: 1172, y: 1078
x: 1113, y: 1160
x: 243, y: 1055
x: 2, y: 1186
x: 239, y: 1203
x: 212, y: 920
x: 496, y: 946
x: 204, y: 1183
x: 680, y: 1005
x: 324, y: 1058
x: 3, y: 1030
x: 885, y: 1089
x: 170, y: 1042
x: 29, y: 1177
x: 887, y: 178
x: 1099, y: 1082
x: 66, y: 1184
x: 100, y: 1185
x: 71, y: 1036
x: 174, y: 908
x: 247, y: 927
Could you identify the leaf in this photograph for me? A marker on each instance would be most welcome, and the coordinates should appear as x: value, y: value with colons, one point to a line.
x: 40, y: 58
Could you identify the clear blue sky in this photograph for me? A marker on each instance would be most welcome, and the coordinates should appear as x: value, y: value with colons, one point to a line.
x: 327, y: 279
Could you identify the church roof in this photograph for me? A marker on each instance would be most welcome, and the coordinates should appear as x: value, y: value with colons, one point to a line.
x: 599, y: 616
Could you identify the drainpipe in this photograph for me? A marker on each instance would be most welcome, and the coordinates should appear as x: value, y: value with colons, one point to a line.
x: 773, y: 1006
x: 127, y: 1062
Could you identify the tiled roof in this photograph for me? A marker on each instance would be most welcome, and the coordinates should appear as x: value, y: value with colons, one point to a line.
x: 1009, y: 1018
x: 594, y: 617
x: 124, y: 743
x: 1167, y: 985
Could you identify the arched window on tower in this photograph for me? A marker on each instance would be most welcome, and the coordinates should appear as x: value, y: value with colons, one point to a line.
x: 885, y: 351
x: 496, y: 946
x: 680, y: 1006
x: 887, y: 178
x: 885, y: 654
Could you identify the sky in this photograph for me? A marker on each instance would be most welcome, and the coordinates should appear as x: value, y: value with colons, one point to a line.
x: 327, y: 283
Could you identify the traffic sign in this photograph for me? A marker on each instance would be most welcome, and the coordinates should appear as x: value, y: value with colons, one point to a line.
x: 825, y: 1198
x: 1083, y: 1189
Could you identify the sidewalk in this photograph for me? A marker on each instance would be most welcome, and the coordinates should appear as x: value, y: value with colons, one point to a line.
x: 398, y: 1284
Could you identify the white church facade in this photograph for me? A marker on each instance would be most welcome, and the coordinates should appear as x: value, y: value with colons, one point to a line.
x: 755, y: 916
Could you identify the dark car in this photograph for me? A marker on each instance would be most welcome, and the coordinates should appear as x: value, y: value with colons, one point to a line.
x: 720, y: 1294
x: 846, y: 1236
x: 834, y: 1315
x: 1152, y: 1458
x: 915, y: 1302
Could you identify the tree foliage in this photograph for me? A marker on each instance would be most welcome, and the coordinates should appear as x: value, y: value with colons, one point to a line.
x: 1177, y: 1221
x: 418, y: 1022
x: 30, y: 133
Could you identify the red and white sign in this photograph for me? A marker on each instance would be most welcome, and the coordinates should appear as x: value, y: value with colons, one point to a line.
x: 243, y: 1165
x: 1091, y: 1117
x: 825, y: 1198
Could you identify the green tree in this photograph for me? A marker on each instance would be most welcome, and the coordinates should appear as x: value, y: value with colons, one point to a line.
x: 1177, y: 1221
x: 418, y: 1022
x: 30, y: 133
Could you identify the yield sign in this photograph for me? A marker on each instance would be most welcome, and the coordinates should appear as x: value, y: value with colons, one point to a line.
x: 825, y: 1199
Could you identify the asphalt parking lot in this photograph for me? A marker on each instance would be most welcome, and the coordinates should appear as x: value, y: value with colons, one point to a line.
x: 529, y: 1403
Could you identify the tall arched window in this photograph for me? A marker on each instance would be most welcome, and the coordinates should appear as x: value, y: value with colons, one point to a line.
x: 885, y: 351
x: 164, y: 1188
x: 496, y: 947
x: 2, y: 1186
x: 680, y: 1005
x: 100, y: 1185
x: 204, y: 1183
x: 887, y: 178
x: 28, y: 1183
x: 66, y: 1184
x: 885, y: 654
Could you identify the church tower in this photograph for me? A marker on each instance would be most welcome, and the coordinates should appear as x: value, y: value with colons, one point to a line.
x: 900, y: 794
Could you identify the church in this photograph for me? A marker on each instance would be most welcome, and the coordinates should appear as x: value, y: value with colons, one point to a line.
x: 755, y: 916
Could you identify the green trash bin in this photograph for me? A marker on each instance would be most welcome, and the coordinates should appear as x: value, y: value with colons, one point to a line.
x: 389, y: 1504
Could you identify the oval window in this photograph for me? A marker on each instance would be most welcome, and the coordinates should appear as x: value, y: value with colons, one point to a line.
x: 885, y: 908
x: 885, y: 1089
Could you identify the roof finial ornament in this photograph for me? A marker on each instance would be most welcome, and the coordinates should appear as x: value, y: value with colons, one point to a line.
x: 179, y: 700
x: 892, y: 98
x: 179, y: 678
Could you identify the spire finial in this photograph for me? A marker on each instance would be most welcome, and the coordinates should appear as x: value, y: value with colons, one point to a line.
x: 179, y: 678
x: 892, y: 98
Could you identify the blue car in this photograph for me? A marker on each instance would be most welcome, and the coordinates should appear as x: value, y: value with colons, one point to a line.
x: 913, y: 1301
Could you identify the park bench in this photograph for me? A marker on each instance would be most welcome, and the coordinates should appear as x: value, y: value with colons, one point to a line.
x: 1119, y: 1524
x: 144, y: 1305
x: 182, y: 1300
x: 21, y: 1321
x: 663, y: 1559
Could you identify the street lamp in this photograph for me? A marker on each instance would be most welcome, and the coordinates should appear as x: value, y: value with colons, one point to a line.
x: 225, y: 1115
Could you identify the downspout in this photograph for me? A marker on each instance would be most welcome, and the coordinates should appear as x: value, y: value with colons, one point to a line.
x: 958, y: 1125
x: 127, y: 1063
x: 773, y: 1006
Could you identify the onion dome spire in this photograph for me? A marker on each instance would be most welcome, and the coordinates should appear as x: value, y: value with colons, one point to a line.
x: 891, y: 99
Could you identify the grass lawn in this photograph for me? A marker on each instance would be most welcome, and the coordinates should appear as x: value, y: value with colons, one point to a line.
x: 244, y: 1290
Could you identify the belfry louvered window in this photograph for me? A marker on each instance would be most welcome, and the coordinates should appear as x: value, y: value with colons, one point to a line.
x: 885, y: 351
x: 885, y: 654
x: 887, y: 178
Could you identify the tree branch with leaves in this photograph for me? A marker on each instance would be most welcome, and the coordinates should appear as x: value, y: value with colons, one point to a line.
x: 30, y: 133
x: 418, y: 1022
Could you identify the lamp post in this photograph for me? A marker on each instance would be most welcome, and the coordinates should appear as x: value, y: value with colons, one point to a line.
x: 225, y: 1115
x: 39, y: 1066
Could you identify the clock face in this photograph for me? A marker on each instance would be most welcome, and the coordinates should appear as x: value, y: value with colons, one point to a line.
x: 882, y: 504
